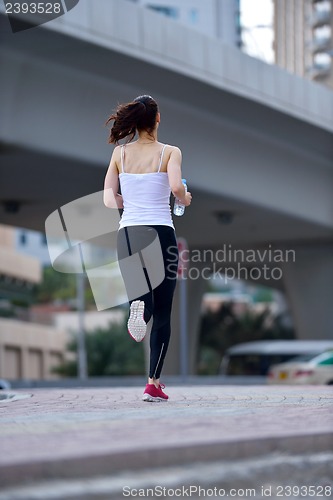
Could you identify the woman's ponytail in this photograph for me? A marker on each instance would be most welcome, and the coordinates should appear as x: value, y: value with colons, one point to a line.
x: 139, y: 114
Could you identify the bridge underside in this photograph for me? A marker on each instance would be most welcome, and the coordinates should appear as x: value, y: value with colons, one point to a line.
x: 37, y: 183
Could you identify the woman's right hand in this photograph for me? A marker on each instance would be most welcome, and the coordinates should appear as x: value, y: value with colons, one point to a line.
x: 188, y: 199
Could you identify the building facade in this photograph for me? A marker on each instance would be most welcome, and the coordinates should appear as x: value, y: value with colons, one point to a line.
x: 18, y: 271
x: 32, y: 243
x: 28, y: 350
x: 303, y: 38
x: 212, y: 17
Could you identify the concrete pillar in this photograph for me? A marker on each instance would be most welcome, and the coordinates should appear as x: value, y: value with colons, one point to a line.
x: 2, y: 361
x: 309, y: 288
x: 195, y: 290
x: 45, y: 364
x: 25, y: 371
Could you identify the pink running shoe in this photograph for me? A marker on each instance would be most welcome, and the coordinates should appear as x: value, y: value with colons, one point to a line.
x: 136, y: 325
x: 154, y: 394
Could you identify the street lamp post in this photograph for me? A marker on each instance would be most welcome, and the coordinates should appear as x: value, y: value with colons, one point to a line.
x: 81, y: 344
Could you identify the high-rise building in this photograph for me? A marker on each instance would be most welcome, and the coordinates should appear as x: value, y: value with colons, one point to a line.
x: 216, y: 18
x: 303, y: 38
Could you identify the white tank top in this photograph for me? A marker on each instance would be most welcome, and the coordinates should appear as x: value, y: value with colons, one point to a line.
x: 146, y: 197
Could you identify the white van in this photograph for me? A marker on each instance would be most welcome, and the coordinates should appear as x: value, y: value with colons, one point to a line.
x: 255, y: 358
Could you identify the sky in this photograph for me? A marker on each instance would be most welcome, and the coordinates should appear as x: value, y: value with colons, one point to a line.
x: 258, y: 40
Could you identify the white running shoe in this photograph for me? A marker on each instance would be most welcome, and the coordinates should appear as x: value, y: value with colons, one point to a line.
x: 136, y: 325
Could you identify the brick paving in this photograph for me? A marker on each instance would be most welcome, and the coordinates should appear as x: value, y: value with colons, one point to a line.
x: 83, y: 432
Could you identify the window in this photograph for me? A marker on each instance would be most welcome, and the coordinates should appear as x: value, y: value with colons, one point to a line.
x: 326, y: 361
x: 23, y: 238
x: 166, y: 11
x: 193, y: 16
x: 43, y: 239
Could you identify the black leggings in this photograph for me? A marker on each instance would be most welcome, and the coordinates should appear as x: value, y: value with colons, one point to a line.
x: 151, y: 278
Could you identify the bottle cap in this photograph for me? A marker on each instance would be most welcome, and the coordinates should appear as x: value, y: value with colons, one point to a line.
x: 184, y: 181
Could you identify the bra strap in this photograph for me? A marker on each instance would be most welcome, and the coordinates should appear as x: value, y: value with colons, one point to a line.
x: 161, y: 157
x: 122, y: 152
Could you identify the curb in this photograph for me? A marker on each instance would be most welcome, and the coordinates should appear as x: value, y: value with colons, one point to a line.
x: 106, y: 464
x: 269, y: 476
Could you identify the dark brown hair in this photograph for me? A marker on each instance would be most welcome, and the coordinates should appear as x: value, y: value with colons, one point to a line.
x: 139, y: 114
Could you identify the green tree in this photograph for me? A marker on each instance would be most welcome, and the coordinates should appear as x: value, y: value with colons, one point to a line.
x: 59, y: 286
x: 110, y: 351
x: 55, y: 285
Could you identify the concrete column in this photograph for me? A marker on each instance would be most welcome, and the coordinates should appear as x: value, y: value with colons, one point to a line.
x: 195, y: 291
x: 2, y: 361
x: 45, y: 364
x: 309, y: 288
x: 25, y: 371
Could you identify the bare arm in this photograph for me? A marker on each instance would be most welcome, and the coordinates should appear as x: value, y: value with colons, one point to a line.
x: 112, y: 199
x: 175, y: 177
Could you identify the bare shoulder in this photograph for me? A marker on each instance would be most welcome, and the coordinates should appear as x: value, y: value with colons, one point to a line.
x: 172, y: 155
x: 116, y: 151
x: 115, y: 161
x: 173, y: 150
x: 116, y: 154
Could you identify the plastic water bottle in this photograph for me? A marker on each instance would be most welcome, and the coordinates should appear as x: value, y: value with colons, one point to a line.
x: 179, y: 208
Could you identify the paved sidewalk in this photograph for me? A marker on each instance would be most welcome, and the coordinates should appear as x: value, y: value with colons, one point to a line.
x: 85, y: 432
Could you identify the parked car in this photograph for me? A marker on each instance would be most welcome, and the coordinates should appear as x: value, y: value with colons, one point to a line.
x: 255, y: 358
x: 307, y: 369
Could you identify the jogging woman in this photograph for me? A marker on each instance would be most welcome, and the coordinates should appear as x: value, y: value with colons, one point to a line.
x: 147, y: 171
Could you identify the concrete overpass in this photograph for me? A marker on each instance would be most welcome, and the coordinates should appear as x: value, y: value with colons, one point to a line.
x: 257, y: 141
